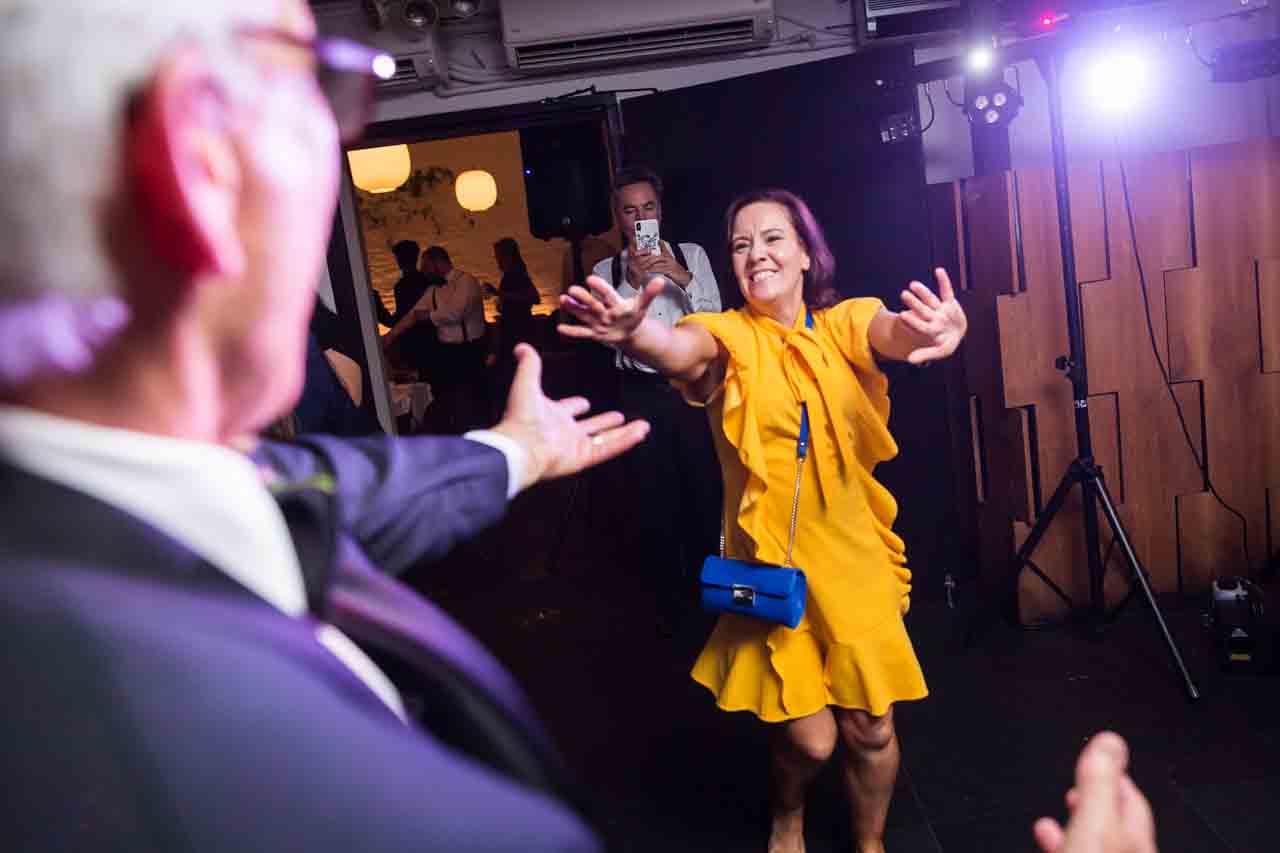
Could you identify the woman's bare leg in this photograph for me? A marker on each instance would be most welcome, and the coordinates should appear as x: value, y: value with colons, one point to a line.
x: 800, y: 747
x: 870, y: 771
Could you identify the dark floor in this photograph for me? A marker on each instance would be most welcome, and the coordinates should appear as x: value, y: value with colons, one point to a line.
x: 552, y: 592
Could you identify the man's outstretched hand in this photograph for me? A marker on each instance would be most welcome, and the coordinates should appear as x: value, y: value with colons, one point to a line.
x: 558, y: 442
x: 1108, y: 812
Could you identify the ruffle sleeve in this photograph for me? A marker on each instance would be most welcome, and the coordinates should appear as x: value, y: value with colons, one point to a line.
x: 741, y: 427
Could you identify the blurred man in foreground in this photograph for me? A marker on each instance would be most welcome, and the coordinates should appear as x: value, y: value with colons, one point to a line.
x: 198, y: 654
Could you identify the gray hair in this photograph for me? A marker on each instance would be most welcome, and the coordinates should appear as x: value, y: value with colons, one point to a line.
x: 68, y: 70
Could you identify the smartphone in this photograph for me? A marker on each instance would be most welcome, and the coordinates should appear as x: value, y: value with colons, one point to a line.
x: 647, y: 236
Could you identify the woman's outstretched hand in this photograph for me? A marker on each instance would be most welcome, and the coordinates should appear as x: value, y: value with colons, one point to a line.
x: 605, y: 316
x: 936, y: 320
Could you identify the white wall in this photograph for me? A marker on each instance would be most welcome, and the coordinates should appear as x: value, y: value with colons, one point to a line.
x: 818, y: 13
x: 1182, y: 107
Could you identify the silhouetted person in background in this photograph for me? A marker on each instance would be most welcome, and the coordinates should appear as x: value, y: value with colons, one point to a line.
x: 456, y: 310
x: 416, y: 350
x: 516, y: 298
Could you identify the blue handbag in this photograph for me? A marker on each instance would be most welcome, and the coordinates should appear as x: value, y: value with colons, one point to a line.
x: 772, y: 593
x: 763, y: 590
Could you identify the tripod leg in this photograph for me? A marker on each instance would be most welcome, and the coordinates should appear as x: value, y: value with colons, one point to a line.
x: 988, y: 613
x: 1022, y: 559
x: 1140, y: 577
x: 1056, y: 500
x: 1091, y: 493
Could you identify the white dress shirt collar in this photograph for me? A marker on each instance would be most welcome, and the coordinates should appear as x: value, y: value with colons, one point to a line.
x: 209, y: 498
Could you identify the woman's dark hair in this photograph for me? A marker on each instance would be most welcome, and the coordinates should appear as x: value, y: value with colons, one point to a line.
x: 819, y: 290
x: 510, y: 249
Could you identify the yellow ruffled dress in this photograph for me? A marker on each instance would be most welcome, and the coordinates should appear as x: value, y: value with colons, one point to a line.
x: 851, y: 649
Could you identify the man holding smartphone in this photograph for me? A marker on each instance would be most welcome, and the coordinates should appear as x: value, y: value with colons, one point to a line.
x: 674, y: 472
x: 637, y: 198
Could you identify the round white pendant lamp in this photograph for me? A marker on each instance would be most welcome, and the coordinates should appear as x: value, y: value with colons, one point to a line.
x: 476, y: 190
x: 380, y: 170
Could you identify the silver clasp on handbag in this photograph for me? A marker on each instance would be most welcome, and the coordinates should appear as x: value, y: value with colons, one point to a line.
x: 743, y: 595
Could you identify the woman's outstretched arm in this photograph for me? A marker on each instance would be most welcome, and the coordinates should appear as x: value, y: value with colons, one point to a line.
x: 683, y: 353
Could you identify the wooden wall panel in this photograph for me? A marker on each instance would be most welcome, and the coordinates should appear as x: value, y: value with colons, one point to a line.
x: 1123, y: 358
x: 1209, y: 540
x: 1160, y: 192
x: 1104, y: 429
x: 1269, y: 313
x: 1089, y: 223
x: 1208, y: 228
x: 1019, y: 480
x: 1272, y: 543
x: 1033, y: 333
x: 1237, y: 222
x: 1189, y: 296
x: 987, y: 437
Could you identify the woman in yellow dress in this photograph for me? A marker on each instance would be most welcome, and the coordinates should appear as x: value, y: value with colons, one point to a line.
x: 837, y: 675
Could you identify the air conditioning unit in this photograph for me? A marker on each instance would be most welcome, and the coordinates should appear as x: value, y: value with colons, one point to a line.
x: 562, y: 35
x: 388, y: 25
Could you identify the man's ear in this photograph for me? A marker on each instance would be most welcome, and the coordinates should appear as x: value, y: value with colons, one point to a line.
x: 183, y: 169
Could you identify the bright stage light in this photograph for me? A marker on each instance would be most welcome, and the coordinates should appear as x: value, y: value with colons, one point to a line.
x: 1116, y: 82
x: 384, y: 65
x: 980, y: 59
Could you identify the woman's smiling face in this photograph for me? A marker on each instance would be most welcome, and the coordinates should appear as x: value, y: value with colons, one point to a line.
x: 769, y: 259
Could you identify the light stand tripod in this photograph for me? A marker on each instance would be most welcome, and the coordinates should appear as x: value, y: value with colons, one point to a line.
x: 1083, y: 471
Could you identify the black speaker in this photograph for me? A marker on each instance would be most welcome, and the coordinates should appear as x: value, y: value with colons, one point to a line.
x: 566, y: 179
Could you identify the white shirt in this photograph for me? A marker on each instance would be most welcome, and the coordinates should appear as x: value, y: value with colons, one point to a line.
x: 703, y: 294
x: 457, y: 308
x: 209, y: 498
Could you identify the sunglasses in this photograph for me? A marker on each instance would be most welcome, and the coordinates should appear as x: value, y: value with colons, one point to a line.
x: 345, y: 70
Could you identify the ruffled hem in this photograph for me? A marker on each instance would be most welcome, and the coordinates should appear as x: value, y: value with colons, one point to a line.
x: 782, y: 674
